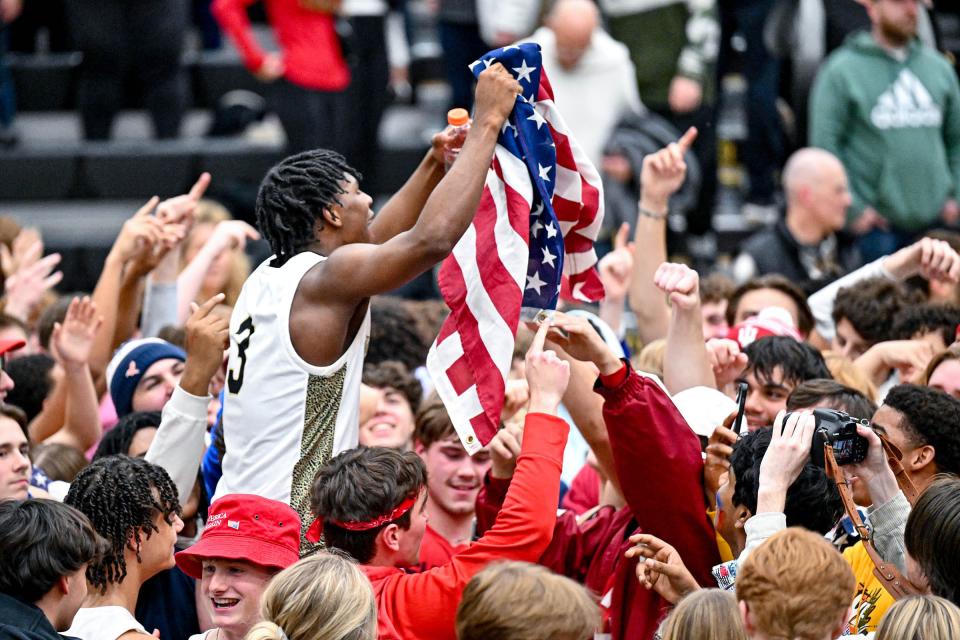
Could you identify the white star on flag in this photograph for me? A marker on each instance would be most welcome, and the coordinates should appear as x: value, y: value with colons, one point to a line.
x: 523, y: 71
x: 536, y: 228
x: 507, y: 125
x: 548, y: 257
x: 544, y: 172
x: 534, y: 282
x: 536, y: 212
x: 551, y: 230
x: 536, y: 117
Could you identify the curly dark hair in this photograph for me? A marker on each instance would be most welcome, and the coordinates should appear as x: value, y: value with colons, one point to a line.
x: 813, y: 501
x: 32, y: 382
x: 122, y: 496
x: 932, y: 536
x: 871, y: 305
x: 394, y: 335
x: 778, y: 283
x: 118, y: 440
x: 832, y: 394
x: 391, y: 373
x: 930, y: 417
x: 360, y: 485
x: 294, y: 194
x: 919, y: 319
x: 43, y: 541
x: 798, y: 361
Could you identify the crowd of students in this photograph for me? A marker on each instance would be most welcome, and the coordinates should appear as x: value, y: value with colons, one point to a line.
x: 271, y: 463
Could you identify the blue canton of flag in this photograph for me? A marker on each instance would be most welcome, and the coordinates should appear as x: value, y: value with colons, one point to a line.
x: 527, y: 135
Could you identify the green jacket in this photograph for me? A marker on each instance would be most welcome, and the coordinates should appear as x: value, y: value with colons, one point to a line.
x: 894, y: 125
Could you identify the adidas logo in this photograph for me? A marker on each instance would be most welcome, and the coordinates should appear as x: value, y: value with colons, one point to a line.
x: 906, y: 104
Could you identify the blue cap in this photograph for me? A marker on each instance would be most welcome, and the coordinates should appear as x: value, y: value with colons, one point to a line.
x: 128, y: 365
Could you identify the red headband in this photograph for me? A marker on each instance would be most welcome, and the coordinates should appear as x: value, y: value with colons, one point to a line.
x: 316, y: 529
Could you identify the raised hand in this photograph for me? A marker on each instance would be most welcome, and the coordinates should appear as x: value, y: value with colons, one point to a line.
x: 784, y: 459
x: 231, y: 234
x: 207, y: 338
x: 180, y: 209
x: 663, y: 172
x: 72, y: 340
x: 661, y: 568
x: 504, y: 450
x: 25, y: 288
x: 680, y: 283
x: 929, y: 258
x: 547, y: 375
x: 140, y: 233
x: 581, y: 341
x: 24, y: 251
x: 497, y: 93
x: 616, y: 267
x: 726, y: 360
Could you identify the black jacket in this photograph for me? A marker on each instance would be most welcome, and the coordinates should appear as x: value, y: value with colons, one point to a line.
x: 23, y: 621
x: 775, y: 250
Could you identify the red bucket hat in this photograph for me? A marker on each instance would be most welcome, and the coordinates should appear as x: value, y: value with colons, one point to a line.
x: 246, y: 527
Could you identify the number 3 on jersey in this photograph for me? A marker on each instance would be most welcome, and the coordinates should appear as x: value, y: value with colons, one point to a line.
x: 235, y: 378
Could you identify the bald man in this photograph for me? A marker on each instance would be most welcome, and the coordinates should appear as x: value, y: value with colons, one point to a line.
x: 593, y: 79
x: 807, y: 244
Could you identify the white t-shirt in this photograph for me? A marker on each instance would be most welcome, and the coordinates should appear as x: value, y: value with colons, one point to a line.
x: 284, y: 418
x: 103, y: 623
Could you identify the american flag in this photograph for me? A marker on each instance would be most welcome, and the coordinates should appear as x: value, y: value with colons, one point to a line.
x: 538, y: 217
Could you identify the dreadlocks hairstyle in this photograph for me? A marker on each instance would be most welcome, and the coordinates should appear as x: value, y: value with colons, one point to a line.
x: 294, y: 194
x: 121, y: 496
x: 118, y: 440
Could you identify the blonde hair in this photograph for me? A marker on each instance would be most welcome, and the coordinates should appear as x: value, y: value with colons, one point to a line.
x: 650, y: 358
x: 920, y: 618
x: 522, y: 601
x: 323, y: 597
x: 846, y: 373
x: 706, y: 614
x: 212, y: 213
x: 796, y: 585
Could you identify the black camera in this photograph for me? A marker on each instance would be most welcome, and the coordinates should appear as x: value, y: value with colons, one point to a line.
x: 839, y: 430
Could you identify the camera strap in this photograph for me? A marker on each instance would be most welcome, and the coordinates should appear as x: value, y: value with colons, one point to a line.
x: 888, y: 575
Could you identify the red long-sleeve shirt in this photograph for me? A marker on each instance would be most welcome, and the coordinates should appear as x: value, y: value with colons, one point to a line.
x: 423, y: 606
x: 658, y: 462
x: 659, y: 465
x: 309, y: 43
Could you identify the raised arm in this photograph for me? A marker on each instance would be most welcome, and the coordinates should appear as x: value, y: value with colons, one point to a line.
x: 523, y: 528
x: 662, y: 174
x: 179, y: 444
x: 70, y: 343
x: 357, y: 271
x: 685, y: 362
x: 929, y: 258
x: 404, y: 208
x: 656, y: 454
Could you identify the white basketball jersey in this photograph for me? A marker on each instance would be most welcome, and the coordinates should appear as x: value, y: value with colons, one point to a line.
x: 284, y: 418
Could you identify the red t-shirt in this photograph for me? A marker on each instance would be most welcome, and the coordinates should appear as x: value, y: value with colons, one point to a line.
x: 436, y: 551
x: 423, y: 606
x: 308, y: 41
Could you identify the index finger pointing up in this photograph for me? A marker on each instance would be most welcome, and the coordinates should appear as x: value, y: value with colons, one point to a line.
x: 200, y: 186
x: 541, y: 336
x: 686, y: 140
